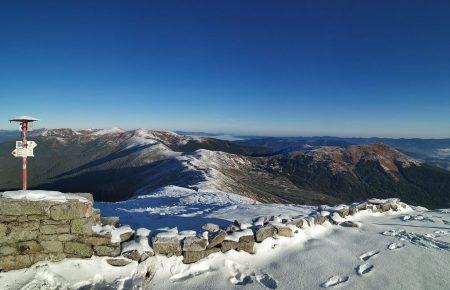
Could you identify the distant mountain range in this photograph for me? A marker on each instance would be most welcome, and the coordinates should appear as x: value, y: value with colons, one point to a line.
x: 114, y: 164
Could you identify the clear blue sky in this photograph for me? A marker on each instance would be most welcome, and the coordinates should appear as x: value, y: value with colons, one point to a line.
x: 351, y: 68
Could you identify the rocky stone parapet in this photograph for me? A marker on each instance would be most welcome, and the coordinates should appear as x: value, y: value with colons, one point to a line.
x: 50, y: 228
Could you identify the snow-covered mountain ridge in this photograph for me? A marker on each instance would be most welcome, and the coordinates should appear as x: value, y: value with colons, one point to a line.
x: 116, y: 164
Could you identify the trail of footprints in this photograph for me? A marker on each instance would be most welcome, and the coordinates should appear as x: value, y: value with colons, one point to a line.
x: 361, y: 270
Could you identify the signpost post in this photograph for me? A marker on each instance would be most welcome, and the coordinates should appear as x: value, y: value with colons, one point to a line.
x: 24, y: 148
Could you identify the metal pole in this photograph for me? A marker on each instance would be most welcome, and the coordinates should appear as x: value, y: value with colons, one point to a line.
x: 24, y: 155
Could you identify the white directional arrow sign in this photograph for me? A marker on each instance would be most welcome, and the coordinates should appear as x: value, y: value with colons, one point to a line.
x: 30, y: 144
x: 19, y: 152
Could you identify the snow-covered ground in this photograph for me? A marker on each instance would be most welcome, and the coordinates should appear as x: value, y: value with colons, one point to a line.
x: 407, y: 250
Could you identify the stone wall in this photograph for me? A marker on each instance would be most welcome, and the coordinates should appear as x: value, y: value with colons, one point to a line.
x: 32, y: 231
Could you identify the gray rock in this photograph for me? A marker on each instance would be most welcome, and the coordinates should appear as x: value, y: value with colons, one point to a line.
x: 18, y: 232
x: 352, y: 210
x: 7, y: 250
x: 228, y: 245
x: 82, y: 226
x: 126, y: 236
x: 53, y: 257
x: 70, y: 210
x: 98, y: 240
x: 246, y: 244
x: 343, y: 212
x: 21, y: 207
x: 194, y: 256
x: 166, y: 246
x: 14, y: 262
x: 111, y: 251
x: 54, y: 229
x: 298, y: 222
x: 86, y: 195
x: 194, y: 244
x: 212, y: 228
x: 283, y: 231
x: 349, y: 224
x: 58, y: 237
x: 118, y: 262
x: 362, y: 206
x: 319, y: 219
x: 52, y: 246
x: 216, y: 238
x: 110, y: 220
x: 375, y: 201
x: 265, y: 232
x: 385, y: 207
x: 78, y: 249
x: 232, y: 229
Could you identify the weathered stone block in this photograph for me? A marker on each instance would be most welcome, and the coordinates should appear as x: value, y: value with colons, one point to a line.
x: 54, y: 229
x: 18, y: 232
x: 7, y: 250
x: 137, y: 256
x: 385, y: 207
x: 118, y: 262
x: 166, y: 246
x: 352, y: 210
x: 78, y: 249
x: 98, y: 240
x: 194, y: 244
x: 70, y: 210
x: 82, y: 226
x: 59, y: 237
x: 194, y: 256
x: 283, y: 231
x: 19, y: 207
x: 298, y: 222
x: 319, y: 219
x: 111, y: 251
x: 54, y: 257
x: 14, y: 262
x: 110, y: 220
x: 265, y: 232
x: 246, y: 244
x: 343, y: 212
x: 29, y: 247
x: 52, y: 246
x: 216, y: 238
x: 228, y: 245
x: 7, y: 218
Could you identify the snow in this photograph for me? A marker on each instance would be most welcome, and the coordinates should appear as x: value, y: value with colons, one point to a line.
x: 237, y: 235
x: 139, y: 244
x: 116, y: 233
x: 110, y: 131
x: 372, y: 256
x: 41, y: 195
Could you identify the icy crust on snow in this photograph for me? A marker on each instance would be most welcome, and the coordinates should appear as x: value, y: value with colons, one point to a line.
x: 42, y: 195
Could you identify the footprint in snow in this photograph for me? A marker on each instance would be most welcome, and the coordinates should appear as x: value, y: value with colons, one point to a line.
x: 242, y: 275
x: 368, y: 255
x: 394, y: 246
x: 364, y: 269
x: 267, y: 281
x: 335, y: 280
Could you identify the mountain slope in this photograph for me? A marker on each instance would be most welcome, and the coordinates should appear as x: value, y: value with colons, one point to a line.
x: 114, y: 165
